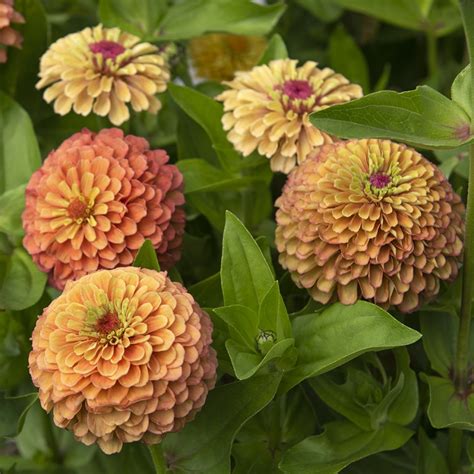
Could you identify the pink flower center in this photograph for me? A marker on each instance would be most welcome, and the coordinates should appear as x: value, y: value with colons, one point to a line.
x: 296, y: 89
x: 77, y: 209
x: 108, y: 49
x: 107, y: 323
x: 380, y: 180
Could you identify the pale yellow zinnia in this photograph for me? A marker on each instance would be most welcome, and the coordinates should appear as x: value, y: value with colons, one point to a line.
x: 102, y: 70
x: 267, y: 109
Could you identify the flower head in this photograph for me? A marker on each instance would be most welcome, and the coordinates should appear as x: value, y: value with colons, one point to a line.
x: 267, y: 109
x: 102, y: 70
x: 94, y: 202
x: 218, y: 56
x: 123, y: 355
x: 9, y: 36
x: 370, y: 219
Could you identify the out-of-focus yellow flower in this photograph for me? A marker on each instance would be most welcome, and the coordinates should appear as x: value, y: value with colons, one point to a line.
x: 370, y: 219
x: 102, y: 70
x: 9, y: 36
x: 218, y: 56
x: 94, y: 202
x: 267, y: 109
x: 123, y: 355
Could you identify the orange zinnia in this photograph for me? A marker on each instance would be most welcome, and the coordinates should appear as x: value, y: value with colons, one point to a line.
x: 123, y: 355
x: 96, y: 199
x: 370, y: 219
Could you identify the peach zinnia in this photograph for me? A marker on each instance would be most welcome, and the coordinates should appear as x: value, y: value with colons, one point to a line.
x: 123, y: 355
x: 218, y: 56
x: 370, y: 219
x: 9, y: 36
x: 267, y: 109
x: 102, y: 70
x: 94, y: 202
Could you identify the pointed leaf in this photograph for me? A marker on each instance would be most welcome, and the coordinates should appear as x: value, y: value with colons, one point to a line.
x: 204, y: 445
x: 241, y: 17
x: 363, y: 327
x: 146, y: 257
x: 422, y: 117
x: 246, y: 277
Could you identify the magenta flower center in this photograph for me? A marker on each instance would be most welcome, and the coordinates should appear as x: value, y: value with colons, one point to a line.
x: 296, y: 89
x: 107, y: 323
x: 108, y: 49
x: 380, y: 180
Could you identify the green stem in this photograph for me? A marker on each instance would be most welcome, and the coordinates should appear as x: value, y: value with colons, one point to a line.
x: 432, y: 58
x: 51, y: 438
x: 462, y: 354
x: 158, y: 457
x: 454, y: 450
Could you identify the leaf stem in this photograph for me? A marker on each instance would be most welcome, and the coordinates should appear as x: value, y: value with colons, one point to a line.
x: 454, y: 450
x: 51, y: 438
x: 158, y: 457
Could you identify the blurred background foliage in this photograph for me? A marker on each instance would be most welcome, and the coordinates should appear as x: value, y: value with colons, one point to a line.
x: 380, y: 44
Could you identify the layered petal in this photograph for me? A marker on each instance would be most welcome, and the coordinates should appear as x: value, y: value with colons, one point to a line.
x: 370, y: 219
x: 267, y: 109
x: 94, y: 202
x: 123, y: 355
x: 105, y: 71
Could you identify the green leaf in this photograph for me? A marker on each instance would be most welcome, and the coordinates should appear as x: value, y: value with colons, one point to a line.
x: 208, y: 292
x: 246, y: 276
x: 207, y: 113
x: 21, y: 282
x: 140, y: 18
x: 422, y: 117
x: 19, y: 152
x: 339, y: 445
x: 204, y: 445
x: 404, y: 13
x: 242, y: 321
x: 273, y: 314
x: 439, y: 340
x: 364, y: 400
x: 241, y: 17
x: 146, y: 257
x: 446, y: 409
x: 200, y: 176
x: 14, y: 350
x: 325, y: 10
x: 12, y: 203
x: 341, y: 47
x: 13, y: 412
x: 363, y: 327
x: 430, y: 458
x: 276, y: 49
x: 246, y: 363
x: 461, y: 90
x: 405, y: 407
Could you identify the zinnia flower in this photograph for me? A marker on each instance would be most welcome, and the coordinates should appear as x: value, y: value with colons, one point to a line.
x: 9, y: 36
x: 102, y: 70
x: 94, y: 202
x: 123, y: 355
x: 267, y: 109
x: 370, y: 219
x: 218, y: 56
